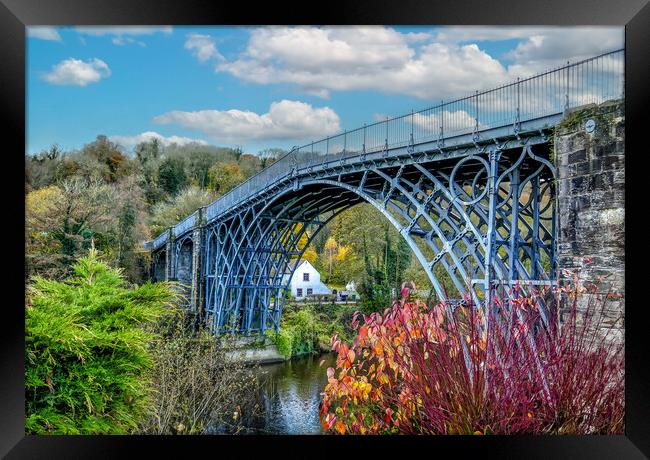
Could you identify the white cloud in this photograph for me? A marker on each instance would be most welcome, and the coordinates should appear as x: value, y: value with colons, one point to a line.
x: 124, y: 30
x: 202, y: 47
x: 284, y: 120
x: 428, y: 124
x: 132, y: 141
x: 320, y: 60
x: 415, y: 37
x: 473, y: 34
x: 428, y: 65
x: 553, y: 47
x: 123, y: 35
x: 78, y: 73
x: 541, y: 48
x: 120, y: 41
x: 44, y: 33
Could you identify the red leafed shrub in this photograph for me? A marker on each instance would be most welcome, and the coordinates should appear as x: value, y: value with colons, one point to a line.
x: 431, y: 371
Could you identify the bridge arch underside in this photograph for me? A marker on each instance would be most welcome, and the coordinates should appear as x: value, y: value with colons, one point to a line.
x: 159, y: 265
x: 476, y: 224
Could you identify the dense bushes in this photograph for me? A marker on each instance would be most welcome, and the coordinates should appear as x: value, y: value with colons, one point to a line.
x: 86, y: 349
x: 419, y: 370
x: 196, y: 386
x: 169, y: 212
x: 105, y: 359
x: 306, y: 329
x: 299, y: 333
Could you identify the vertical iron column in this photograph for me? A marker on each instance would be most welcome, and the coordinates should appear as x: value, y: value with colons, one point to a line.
x: 490, y: 243
x: 197, y: 268
x: 514, y: 224
x: 170, y: 253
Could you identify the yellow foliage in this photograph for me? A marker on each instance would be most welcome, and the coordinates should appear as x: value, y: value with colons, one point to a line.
x: 38, y: 204
x: 331, y: 244
x: 344, y: 252
x: 310, y: 255
x: 42, y: 200
x: 304, y: 238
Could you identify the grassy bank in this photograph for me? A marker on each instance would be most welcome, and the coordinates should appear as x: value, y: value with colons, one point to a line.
x: 308, y: 328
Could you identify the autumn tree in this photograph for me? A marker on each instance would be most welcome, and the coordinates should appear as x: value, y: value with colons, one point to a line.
x: 62, y: 220
x: 249, y: 165
x: 108, y: 154
x: 40, y: 168
x: 309, y: 252
x: 223, y: 177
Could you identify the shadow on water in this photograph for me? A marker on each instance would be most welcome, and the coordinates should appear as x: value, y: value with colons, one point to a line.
x: 290, y: 397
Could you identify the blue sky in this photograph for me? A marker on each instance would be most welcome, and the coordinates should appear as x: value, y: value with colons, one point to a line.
x: 260, y: 87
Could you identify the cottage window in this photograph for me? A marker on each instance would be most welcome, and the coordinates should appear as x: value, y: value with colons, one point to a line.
x: 305, y: 276
x: 299, y: 292
x: 310, y: 291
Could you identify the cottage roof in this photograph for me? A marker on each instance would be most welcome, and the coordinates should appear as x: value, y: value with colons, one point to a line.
x: 292, y: 265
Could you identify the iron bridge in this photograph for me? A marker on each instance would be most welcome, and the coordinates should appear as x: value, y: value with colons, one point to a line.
x: 469, y: 184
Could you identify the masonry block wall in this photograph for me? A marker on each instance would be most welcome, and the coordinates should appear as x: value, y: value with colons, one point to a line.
x: 591, y: 203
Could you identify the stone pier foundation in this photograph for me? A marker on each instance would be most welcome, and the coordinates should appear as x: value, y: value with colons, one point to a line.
x: 590, y: 156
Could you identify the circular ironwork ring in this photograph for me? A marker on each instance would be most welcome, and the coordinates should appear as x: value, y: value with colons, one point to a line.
x: 452, y: 183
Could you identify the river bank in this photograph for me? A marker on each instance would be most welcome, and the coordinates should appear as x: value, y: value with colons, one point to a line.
x: 288, y: 365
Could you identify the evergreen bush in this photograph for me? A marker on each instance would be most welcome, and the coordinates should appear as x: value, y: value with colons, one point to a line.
x: 87, y: 360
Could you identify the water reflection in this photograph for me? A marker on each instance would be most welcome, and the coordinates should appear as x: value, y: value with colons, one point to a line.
x: 291, y: 397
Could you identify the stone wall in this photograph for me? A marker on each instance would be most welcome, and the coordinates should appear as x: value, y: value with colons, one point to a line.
x: 591, y: 203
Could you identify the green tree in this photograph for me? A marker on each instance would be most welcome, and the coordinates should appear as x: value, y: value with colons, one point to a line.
x: 148, y: 156
x: 171, y: 175
x: 87, y: 360
x: 238, y: 152
x: 168, y: 213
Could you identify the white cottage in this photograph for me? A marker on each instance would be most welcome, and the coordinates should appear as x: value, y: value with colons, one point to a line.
x: 306, y: 281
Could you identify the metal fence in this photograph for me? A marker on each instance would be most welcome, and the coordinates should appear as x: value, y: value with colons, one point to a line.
x: 160, y: 240
x: 185, y: 224
x: 591, y: 81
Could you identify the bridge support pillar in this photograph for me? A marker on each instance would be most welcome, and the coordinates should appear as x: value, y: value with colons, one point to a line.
x: 590, y: 155
x: 198, y: 240
x: 170, y: 258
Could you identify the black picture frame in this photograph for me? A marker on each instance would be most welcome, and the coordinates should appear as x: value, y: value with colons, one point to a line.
x: 15, y: 15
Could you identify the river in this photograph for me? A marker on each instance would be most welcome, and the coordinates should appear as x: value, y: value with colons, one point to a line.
x: 291, y: 396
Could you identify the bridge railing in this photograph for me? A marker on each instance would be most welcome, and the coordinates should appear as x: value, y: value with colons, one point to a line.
x: 593, y: 80
x: 185, y: 224
x: 160, y: 240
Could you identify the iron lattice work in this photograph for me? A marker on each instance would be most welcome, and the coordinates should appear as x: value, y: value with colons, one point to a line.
x: 481, y: 221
